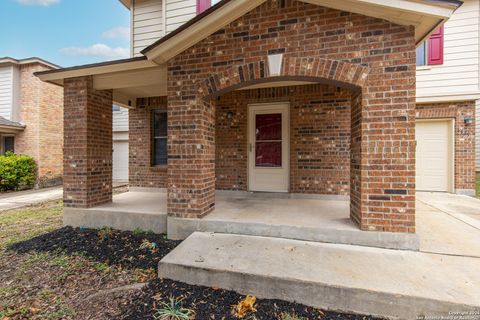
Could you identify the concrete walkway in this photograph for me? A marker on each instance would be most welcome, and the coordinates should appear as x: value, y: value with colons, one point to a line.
x: 391, y: 283
x: 448, y: 224
x: 15, y: 200
x: 464, y: 208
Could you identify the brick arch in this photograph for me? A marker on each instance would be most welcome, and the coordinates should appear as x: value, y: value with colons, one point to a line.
x: 339, y: 73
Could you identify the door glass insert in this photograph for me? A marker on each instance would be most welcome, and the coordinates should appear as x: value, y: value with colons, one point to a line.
x: 268, y: 140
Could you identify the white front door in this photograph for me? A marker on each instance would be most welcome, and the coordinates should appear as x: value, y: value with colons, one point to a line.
x: 268, y: 147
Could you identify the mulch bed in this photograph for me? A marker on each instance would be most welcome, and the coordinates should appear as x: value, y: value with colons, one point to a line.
x: 129, y: 250
x: 122, y: 249
x: 211, y: 303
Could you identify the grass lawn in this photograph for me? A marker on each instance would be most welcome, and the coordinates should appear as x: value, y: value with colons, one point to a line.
x: 478, y: 185
x: 58, y: 284
x: 52, y: 272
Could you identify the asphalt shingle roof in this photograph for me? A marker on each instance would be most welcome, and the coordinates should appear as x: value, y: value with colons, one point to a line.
x: 8, y: 123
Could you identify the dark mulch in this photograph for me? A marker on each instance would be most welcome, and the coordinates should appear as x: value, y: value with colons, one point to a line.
x: 116, y: 248
x: 125, y: 250
x: 211, y: 303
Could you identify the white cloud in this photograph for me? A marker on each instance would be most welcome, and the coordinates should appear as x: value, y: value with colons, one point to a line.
x: 117, y: 33
x: 98, y: 50
x: 44, y: 3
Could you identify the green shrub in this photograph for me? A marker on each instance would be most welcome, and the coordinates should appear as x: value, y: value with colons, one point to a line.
x: 17, y: 172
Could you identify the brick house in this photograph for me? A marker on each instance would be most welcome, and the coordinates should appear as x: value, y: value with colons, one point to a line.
x: 31, y: 116
x: 315, y: 99
x: 448, y: 91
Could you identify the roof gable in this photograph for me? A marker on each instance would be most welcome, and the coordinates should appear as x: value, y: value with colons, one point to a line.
x: 425, y: 15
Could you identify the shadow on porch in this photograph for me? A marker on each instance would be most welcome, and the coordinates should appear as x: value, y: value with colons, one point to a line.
x: 315, y: 218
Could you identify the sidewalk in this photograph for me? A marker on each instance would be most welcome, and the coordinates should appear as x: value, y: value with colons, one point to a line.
x: 14, y: 200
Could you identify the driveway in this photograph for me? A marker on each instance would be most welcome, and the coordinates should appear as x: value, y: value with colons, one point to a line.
x: 21, y: 199
x: 448, y: 224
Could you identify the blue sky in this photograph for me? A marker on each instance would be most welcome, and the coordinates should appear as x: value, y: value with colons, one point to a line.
x: 65, y: 32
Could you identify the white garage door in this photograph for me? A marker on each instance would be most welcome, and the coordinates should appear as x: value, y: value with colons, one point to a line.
x: 434, y: 155
x: 120, y: 160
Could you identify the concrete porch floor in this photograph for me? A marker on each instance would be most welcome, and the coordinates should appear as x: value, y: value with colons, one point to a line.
x: 291, y: 216
x: 446, y: 224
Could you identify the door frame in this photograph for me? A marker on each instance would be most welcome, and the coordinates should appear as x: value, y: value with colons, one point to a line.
x: 251, y: 138
x: 451, y: 174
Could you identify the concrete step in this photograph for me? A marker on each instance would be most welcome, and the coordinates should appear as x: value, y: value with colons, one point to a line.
x: 382, y: 282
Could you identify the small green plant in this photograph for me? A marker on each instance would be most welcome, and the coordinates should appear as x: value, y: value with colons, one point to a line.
x: 17, y: 172
x: 147, y: 245
x: 138, y: 231
x: 173, y: 310
x: 102, y: 267
x: 291, y: 316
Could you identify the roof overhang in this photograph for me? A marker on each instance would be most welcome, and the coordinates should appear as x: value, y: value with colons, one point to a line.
x: 128, y: 78
x: 147, y: 76
x: 10, y: 130
x: 424, y: 15
x: 7, y: 126
x: 127, y: 3
x: 12, y: 61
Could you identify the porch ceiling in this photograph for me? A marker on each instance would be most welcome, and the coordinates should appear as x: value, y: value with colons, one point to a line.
x: 129, y: 78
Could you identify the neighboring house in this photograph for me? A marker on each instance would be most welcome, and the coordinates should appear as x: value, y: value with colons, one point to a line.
x: 448, y: 92
x: 313, y: 97
x: 31, y: 116
x: 120, y: 144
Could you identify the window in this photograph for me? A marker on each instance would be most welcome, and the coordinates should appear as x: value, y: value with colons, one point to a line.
x: 203, y: 5
x: 8, y: 144
x: 115, y: 108
x: 422, y: 54
x: 160, y: 156
x: 430, y: 52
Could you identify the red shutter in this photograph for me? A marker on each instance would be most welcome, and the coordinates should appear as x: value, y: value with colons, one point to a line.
x: 203, y: 5
x: 435, y: 47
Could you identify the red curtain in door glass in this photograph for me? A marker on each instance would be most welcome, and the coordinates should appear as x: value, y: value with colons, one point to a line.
x: 268, y: 144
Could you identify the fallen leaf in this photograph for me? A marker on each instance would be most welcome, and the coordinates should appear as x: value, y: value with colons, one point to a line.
x: 245, y: 306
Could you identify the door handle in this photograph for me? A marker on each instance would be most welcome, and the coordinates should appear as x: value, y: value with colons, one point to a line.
x: 251, y: 147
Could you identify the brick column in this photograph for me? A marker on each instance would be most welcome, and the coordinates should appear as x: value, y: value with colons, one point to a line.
x: 191, y: 152
x: 383, y: 154
x: 87, y: 144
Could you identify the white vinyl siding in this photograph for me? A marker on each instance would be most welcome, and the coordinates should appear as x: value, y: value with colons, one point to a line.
x: 16, y: 88
x: 7, y: 91
x: 120, y: 120
x: 148, y: 20
x: 120, y: 160
x: 179, y: 12
x: 120, y: 144
x: 459, y: 74
x: 147, y: 24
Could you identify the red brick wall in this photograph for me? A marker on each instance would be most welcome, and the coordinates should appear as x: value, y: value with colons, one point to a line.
x: 88, y: 144
x: 319, y: 43
x: 464, y: 136
x: 319, y: 137
x: 141, y: 172
x: 41, y: 110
